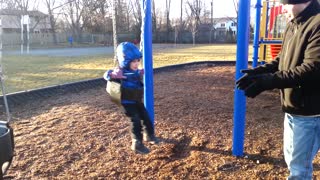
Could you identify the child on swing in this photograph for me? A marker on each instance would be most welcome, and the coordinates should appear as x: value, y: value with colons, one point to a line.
x: 128, y: 56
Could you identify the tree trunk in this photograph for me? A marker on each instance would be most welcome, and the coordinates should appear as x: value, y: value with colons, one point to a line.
x: 194, y: 38
x: 53, y: 28
x: 154, y: 19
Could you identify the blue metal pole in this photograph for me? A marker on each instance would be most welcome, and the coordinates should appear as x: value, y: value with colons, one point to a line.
x: 147, y: 59
x: 242, y: 63
x: 256, y: 35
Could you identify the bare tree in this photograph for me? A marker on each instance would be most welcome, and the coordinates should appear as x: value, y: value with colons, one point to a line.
x: 195, y: 9
x: 136, y: 7
x: 123, y: 15
x: 154, y: 18
x: 128, y: 13
x: 51, y: 6
x: 8, y: 4
x: 235, y: 5
x: 25, y: 5
x: 100, y: 18
x: 77, y: 14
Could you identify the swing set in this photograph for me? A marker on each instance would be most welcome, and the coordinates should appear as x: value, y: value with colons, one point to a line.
x: 268, y: 33
x: 6, y: 132
x: 267, y: 41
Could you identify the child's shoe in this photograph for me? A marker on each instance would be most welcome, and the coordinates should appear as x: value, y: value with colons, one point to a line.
x: 138, y: 147
x: 151, y: 139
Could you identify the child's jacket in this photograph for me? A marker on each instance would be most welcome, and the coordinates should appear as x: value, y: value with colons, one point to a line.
x: 132, y: 86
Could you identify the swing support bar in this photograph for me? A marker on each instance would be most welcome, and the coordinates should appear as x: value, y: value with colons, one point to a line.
x: 241, y: 63
x: 146, y: 31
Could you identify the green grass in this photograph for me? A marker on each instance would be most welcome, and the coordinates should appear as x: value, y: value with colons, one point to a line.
x: 30, y: 72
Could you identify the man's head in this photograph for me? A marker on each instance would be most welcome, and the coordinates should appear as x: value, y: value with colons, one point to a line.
x: 127, y: 53
x: 292, y: 8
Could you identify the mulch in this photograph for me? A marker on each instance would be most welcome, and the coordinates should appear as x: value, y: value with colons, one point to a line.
x: 84, y: 136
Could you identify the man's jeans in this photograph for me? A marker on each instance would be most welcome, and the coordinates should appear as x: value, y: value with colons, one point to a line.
x: 301, y: 143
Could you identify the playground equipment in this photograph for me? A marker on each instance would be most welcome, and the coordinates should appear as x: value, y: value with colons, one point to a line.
x: 146, y: 49
x: 146, y: 45
x: 270, y: 36
x: 242, y: 63
x: 269, y: 29
x: 114, y: 89
x: 6, y: 132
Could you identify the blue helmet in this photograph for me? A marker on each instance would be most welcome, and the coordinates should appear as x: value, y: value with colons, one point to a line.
x: 127, y: 52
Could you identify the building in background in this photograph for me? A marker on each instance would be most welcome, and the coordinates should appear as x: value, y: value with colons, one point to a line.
x: 11, y: 21
x: 225, y: 28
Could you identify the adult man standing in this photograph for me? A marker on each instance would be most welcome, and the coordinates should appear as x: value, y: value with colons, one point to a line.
x: 296, y: 72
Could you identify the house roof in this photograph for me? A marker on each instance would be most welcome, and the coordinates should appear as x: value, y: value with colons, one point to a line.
x: 16, y: 12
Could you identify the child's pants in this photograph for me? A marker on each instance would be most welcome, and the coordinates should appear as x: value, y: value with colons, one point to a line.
x: 137, y: 114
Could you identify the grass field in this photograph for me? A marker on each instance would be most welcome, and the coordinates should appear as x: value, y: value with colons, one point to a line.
x: 30, y: 72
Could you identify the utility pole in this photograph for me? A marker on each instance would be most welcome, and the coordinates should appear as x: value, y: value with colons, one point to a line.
x: 211, y: 25
x: 211, y: 12
x: 180, y: 27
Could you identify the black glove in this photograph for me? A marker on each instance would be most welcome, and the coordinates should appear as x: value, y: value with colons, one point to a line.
x: 247, y: 78
x: 259, y: 84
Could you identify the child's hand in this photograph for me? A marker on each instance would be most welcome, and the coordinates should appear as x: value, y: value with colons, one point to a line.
x: 117, y: 74
x: 141, y: 71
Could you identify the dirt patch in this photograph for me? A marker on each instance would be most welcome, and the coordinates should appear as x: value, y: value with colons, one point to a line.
x: 85, y: 136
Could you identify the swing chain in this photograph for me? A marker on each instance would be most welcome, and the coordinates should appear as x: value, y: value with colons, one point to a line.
x: 2, y: 79
x: 1, y: 70
x: 115, y: 33
x: 143, y: 16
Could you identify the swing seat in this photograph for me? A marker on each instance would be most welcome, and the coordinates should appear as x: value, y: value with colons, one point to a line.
x: 6, y: 147
x: 114, y: 90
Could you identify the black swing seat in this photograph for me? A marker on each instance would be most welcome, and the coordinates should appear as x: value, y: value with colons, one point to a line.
x: 114, y: 90
x: 6, y: 147
x: 117, y: 92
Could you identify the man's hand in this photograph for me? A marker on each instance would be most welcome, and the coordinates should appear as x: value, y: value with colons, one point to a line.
x: 250, y: 71
x: 259, y: 84
x: 247, y: 78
